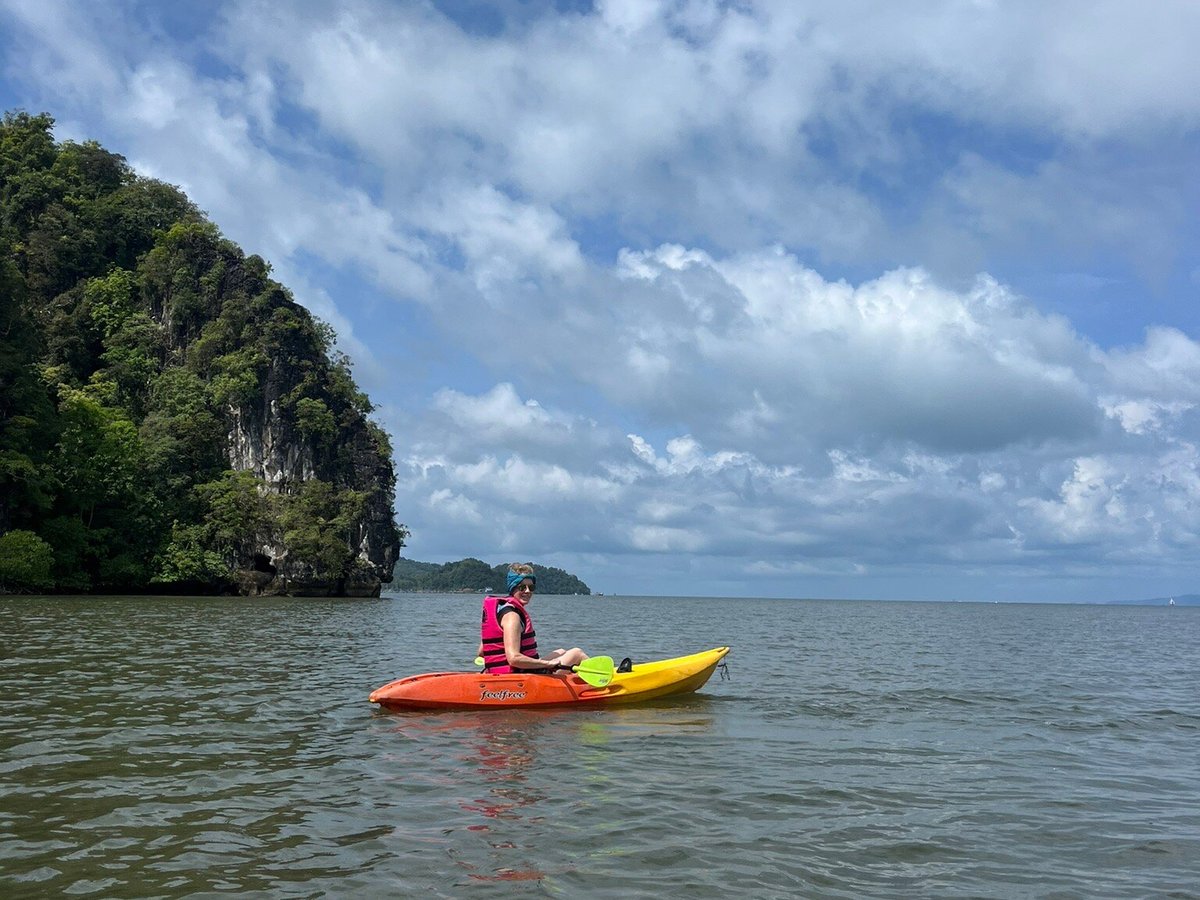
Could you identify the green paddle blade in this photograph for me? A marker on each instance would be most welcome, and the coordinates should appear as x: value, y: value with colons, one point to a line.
x: 597, y: 671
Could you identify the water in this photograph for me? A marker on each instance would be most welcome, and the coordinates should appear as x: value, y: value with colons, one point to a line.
x: 172, y: 747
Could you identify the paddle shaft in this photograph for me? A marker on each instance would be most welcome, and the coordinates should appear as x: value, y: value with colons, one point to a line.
x: 596, y: 671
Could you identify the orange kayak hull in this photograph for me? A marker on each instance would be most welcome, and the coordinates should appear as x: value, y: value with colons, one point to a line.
x: 474, y: 690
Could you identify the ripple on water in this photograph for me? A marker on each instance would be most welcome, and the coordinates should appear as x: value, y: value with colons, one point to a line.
x: 181, y: 746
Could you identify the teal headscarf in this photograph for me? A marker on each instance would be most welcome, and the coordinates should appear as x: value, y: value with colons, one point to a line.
x: 515, y: 578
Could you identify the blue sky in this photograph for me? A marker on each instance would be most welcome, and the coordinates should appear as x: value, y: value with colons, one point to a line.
x: 824, y: 299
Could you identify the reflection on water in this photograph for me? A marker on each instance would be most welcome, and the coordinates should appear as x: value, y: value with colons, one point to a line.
x: 493, y: 754
x: 502, y: 751
x: 505, y: 763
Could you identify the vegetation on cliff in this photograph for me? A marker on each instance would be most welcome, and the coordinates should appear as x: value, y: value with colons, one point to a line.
x: 168, y: 414
x: 474, y: 575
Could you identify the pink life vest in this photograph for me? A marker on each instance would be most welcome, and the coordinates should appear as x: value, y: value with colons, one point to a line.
x: 491, y: 634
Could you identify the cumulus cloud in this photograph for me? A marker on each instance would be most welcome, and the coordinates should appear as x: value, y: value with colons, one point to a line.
x: 501, y: 238
x: 727, y: 125
x: 1165, y: 366
x: 894, y: 417
x: 758, y: 349
x: 718, y: 125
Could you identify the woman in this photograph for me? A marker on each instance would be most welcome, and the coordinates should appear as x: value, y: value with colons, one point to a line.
x: 508, y: 642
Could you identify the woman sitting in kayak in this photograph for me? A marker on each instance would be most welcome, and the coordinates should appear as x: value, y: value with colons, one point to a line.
x: 508, y: 642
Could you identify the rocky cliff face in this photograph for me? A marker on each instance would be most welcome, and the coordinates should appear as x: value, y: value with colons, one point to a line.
x: 266, y: 439
x: 262, y: 441
x: 292, y: 413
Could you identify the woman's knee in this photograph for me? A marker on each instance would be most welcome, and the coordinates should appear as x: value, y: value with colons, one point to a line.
x: 574, y: 657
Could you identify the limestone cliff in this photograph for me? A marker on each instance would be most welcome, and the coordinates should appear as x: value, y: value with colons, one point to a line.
x: 264, y: 441
x: 291, y: 412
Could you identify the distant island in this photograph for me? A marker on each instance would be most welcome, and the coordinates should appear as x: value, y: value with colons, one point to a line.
x: 1177, y: 600
x: 472, y: 575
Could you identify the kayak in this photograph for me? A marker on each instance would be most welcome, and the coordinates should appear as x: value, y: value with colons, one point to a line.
x: 476, y: 690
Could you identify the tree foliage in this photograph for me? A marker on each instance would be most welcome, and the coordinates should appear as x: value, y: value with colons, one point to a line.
x: 318, y: 521
x: 25, y: 561
x: 132, y: 336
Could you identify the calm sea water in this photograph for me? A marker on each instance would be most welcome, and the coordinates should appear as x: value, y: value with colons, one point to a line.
x: 171, y: 747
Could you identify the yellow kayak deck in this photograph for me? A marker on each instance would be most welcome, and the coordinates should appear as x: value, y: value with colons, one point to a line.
x: 664, y: 677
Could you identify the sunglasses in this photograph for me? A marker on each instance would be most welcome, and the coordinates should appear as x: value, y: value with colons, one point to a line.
x: 524, y: 587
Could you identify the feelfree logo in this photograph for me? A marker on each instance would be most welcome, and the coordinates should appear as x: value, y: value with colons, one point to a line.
x: 501, y: 695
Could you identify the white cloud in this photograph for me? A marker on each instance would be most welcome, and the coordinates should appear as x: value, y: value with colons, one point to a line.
x: 716, y: 112
x: 865, y: 510
x: 1144, y: 416
x: 453, y: 507
x: 858, y: 470
x: 499, y: 416
x: 501, y: 238
x: 60, y: 49
x: 1166, y: 366
x: 657, y: 539
x: 700, y: 119
x: 760, y: 348
x: 1098, y: 74
x: 1090, y: 505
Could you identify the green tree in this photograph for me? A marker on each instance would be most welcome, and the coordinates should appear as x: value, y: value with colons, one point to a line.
x: 238, y: 376
x: 182, y: 278
x: 129, y: 220
x: 132, y: 341
x: 27, y: 417
x: 74, y: 550
x: 25, y: 561
x: 96, y: 460
x: 88, y: 171
x: 549, y: 580
x: 27, y: 153
x: 189, y: 559
x: 318, y: 523
x: 314, y: 419
x: 474, y: 575
x: 97, y: 467
x: 240, y: 514
x: 182, y: 438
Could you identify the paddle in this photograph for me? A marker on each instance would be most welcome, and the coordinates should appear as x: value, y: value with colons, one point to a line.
x: 596, y: 671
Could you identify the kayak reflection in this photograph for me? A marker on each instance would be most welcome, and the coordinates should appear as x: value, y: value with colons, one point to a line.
x: 502, y: 750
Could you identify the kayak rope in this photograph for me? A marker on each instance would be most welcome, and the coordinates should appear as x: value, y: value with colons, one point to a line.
x: 723, y: 665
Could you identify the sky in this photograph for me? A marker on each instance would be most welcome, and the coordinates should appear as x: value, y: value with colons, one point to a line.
x: 783, y: 299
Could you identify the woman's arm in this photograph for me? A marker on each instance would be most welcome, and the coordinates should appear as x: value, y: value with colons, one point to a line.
x: 511, y: 623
